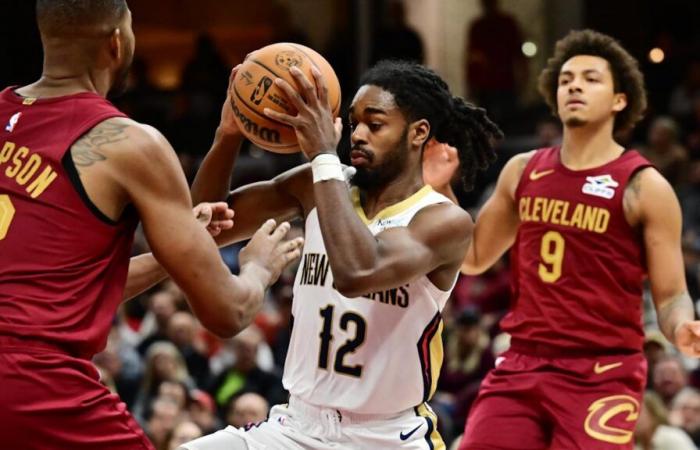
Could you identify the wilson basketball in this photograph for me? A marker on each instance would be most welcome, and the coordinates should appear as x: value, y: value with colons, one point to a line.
x: 254, y: 90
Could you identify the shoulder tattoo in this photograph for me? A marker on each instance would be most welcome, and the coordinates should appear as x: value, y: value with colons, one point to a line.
x: 631, y: 195
x: 86, y: 150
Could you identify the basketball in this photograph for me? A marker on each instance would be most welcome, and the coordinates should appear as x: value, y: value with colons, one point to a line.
x: 254, y: 90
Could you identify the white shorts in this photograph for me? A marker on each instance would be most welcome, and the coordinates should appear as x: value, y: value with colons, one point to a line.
x: 301, y: 426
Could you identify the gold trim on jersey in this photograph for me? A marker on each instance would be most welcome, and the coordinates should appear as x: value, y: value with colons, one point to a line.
x: 391, y: 210
x: 430, y: 354
x: 436, y: 358
x: 432, y: 436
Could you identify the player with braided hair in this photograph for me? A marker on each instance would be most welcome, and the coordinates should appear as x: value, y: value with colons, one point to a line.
x: 420, y: 92
x: 378, y: 265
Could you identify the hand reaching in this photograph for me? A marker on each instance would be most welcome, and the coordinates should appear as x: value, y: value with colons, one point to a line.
x: 269, y: 252
x: 440, y: 162
x: 216, y: 217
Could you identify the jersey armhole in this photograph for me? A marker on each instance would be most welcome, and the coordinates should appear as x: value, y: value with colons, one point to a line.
x: 69, y: 167
x: 521, y: 181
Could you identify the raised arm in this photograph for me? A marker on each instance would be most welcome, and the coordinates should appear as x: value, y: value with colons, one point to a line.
x: 497, y: 222
x: 145, y: 271
x: 213, y: 180
x: 650, y: 197
x: 285, y: 197
x: 147, y: 169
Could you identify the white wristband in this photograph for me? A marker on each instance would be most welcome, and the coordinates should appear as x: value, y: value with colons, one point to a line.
x: 327, y: 167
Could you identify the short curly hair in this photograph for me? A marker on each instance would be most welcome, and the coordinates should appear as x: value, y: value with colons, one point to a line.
x: 627, y: 78
x: 61, y: 16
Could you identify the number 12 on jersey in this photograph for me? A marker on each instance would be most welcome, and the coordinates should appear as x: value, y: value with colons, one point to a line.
x: 7, y: 212
x: 350, y: 346
x: 552, y: 254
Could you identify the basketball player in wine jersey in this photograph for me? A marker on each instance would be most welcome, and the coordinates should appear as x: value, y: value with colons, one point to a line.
x: 377, y: 267
x: 586, y: 223
x: 76, y: 175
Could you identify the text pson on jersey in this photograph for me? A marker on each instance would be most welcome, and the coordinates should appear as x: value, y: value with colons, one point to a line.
x: 561, y: 212
x: 314, y: 272
x: 23, y: 166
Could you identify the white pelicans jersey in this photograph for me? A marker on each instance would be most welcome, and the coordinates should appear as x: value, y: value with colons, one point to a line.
x: 376, y: 354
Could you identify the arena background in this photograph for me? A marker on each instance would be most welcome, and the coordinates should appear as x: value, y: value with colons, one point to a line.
x: 169, y: 371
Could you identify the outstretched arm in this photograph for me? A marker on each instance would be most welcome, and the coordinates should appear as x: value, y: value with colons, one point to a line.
x: 213, y: 180
x: 497, y: 222
x: 145, y: 271
x: 225, y: 304
x: 286, y: 197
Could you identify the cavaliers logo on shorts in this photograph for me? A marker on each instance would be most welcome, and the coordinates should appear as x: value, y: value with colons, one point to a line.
x: 612, y: 419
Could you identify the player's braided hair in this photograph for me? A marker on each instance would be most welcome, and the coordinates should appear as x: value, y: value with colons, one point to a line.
x: 66, y: 16
x: 421, y: 94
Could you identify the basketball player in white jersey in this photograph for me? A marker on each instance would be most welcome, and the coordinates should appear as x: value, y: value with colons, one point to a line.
x: 378, y: 264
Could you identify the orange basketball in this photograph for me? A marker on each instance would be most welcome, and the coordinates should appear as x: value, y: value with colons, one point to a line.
x: 254, y: 90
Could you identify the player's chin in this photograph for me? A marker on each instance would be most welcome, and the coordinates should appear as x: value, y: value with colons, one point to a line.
x: 574, y: 121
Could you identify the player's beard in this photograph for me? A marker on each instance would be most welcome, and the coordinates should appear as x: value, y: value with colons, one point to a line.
x: 371, y: 178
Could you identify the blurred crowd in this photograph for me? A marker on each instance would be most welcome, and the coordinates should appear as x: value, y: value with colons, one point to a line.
x: 181, y: 382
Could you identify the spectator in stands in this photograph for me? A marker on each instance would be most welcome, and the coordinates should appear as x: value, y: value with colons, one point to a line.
x: 163, y: 363
x: 655, y: 349
x: 692, y: 128
x: 681, y: 102
x: 468, y: 359
x: 162, y: 305
x: 164, y: 416
x: 245, y: 375
x: 247, y: 408
x: 395, y: 39
x: 182, y: 331
x: 495, y: 65
x: 665, y: 151
x: 685, y: 412
x: 654, y: 433
x: 184, y: 431
x: 668, y: 378
x: 202, y: 411
x: 177, y: 391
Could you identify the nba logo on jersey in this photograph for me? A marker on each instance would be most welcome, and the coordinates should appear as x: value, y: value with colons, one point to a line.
x: 600, y: 186
x: 10, y: 127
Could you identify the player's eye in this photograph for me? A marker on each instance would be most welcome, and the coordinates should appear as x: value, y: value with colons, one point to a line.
x: 375, y: 126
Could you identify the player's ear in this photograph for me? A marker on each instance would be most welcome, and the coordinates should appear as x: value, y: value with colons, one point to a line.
x: 116, y: 48
x: 418, y: 132
x: 619, y: 102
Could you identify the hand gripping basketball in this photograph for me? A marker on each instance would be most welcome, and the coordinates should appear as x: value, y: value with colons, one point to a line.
x: 316, y: 130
